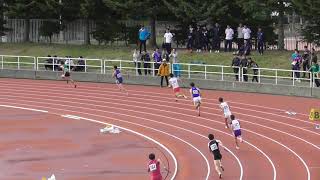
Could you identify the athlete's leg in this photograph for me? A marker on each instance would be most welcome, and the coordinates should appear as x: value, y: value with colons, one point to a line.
x: 226, y: 121
x: 236, y: 140
x: 217, y: 165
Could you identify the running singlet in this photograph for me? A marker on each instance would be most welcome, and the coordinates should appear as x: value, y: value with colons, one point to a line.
x: 214, y: 148
x: 174, y: 82
x: 117, y: 74
x: 195, y: 92
x: 235, y: 125
x: 224, y: 106
x: 65, y: 67
x: 154, y: 168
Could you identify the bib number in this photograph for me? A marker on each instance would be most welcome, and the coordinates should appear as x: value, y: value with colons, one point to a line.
x: 194, y: 91
x: 213, y: 147
x: 119, y: 75
x: 153, y: 167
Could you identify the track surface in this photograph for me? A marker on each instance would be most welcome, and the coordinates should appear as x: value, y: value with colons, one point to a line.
x: 277, y: 146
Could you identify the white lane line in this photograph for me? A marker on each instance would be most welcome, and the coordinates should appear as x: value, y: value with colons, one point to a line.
x: 215, y: 105
x: 129, y: 130
x: 207, y: 162
x: 281, y: 110
x: 30, y: 109
x: 184, y: 129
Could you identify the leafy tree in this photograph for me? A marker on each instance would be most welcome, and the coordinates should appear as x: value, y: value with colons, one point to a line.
x: 49, y: 28
x: 3, y: 29
x: 28, y: 9
x: 310, y: 10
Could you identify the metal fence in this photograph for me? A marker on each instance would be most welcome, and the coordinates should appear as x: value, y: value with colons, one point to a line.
x: 184, y: 70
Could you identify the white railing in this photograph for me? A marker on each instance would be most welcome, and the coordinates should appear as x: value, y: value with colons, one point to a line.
x: 20, y: 62
x: 74, y: 64
x: 195, y: 71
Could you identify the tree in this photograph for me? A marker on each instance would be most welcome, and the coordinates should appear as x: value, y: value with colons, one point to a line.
x: 28, y: 9
x: 48, y: 28
x: 3, y: 29
x: 278, y: 8
x: 310, y: 10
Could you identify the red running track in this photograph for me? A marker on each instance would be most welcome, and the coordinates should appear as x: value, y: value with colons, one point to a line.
x: 277, y: 146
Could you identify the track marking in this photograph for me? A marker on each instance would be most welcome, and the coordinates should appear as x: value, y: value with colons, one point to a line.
x: 129, y: 130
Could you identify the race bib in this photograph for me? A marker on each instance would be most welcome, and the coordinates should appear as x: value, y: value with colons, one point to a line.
x: 153, y: 167
x: 119, y: 75
x: 194, y: 91
x: 213, y: 147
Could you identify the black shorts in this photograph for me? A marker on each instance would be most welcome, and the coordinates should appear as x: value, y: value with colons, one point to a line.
x: 67, y: 74
x: 217, y: 157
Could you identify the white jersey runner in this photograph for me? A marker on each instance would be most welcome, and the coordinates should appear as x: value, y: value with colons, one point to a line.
x: 225, y: 108
x: 235, y: 125
x: 174, y: 82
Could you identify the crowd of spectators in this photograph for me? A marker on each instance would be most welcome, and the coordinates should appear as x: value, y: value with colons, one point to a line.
x: 53, y: 63
x: 307, y: 61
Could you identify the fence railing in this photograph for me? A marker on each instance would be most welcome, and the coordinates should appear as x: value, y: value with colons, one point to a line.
x: 191, y: 71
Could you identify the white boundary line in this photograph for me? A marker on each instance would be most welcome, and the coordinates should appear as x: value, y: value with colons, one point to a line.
x: 129, y: 130
x: 206, y: 102
x: 208, y: 173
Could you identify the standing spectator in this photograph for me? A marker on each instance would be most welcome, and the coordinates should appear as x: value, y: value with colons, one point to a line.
x: 254, y: 66
x: 315, y: 72
x: 260, y: 39
x: 164, y: 72
x: 306, y: 61
x: 175, y: 61
x: 49, y: 63
x: 215, y: 33
x: 296, y: 61
x: 205, y: 39
x: 136, y: 60
x: 229, y: 36
x: 168, y: 40
x: 198, y: 39
x: 157, y: 60
x: 246, y: 33
x: 190, y: 38
x: 240, y: 36
x: 244, y: 66
x: 314, y: 57
x: 143, y: 37
x: 145, y: 58
x: 236, y: 62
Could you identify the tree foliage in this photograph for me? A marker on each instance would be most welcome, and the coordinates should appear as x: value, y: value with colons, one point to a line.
x: 310, y: 10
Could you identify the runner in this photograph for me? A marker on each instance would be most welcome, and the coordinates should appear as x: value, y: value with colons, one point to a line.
x: 119, y: 80
x: 226, y: 111
x: 154, y: 168
x: 173, y: 81
x: 195, y: 96
x: 235, y: 125
x: 66, y: 74
x: 214, y: 148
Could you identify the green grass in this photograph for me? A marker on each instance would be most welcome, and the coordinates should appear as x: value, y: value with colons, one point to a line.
x: 271, y: 59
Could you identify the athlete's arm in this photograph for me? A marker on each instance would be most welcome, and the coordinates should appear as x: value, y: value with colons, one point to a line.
x: 220, y: 143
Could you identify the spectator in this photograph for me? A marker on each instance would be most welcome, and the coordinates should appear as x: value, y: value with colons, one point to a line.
x: 296, y: 61
x: 314, y: 57
x: 205, y: 39
x: 69, y: 62
x: 254, y: 66
x: 145, y: 57
x: 260, y: 39
x: 229, y: 36
x: 236, y: 62
x: 167, y: 41
x: 215, y: 33
x: 137, y: 61
x: 80, y: 65
x: 190, y: 38
x: 246, y: 34
x: 245, y: 49
x: 315, y: 72
x: 198, y: 39
x: 175, y: 61
x: 164, y: 72
x: 48, y: 63
x: 244, y: 65
x: 143, y: 37
x: 306, y: 61
x: 240, y: 36
x: 157, y: 60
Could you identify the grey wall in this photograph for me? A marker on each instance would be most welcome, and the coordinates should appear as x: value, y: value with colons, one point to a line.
x: 155, y: 81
